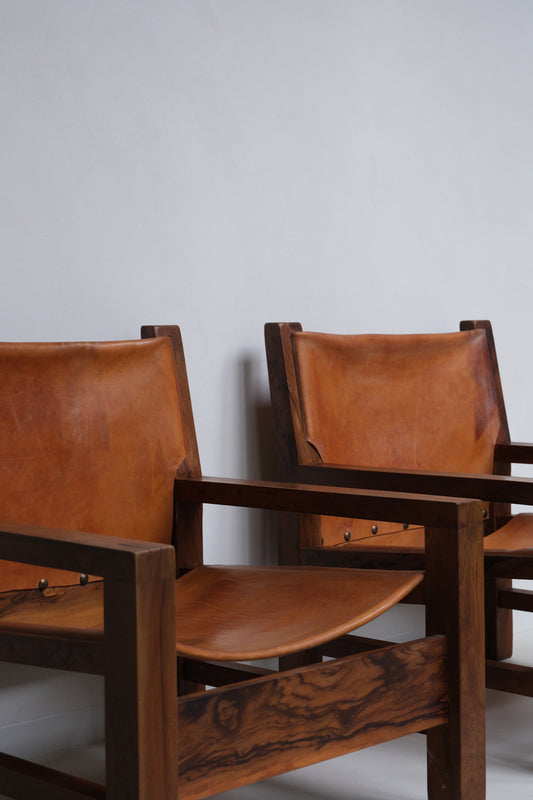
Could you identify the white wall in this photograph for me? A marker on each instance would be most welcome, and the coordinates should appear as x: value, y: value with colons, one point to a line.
x: 354, y: 165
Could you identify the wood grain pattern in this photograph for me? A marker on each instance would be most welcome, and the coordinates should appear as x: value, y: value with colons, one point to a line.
x: 80, y: 609
x: 236, y: 735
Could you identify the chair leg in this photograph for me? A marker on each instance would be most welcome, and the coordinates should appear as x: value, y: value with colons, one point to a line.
x: 498, y: 621
x: 288, y: 545
x: 140, y: 683
x: 297, y: 660
x: 454, y: 606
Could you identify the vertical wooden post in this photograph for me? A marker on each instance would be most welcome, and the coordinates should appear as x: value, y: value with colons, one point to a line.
x: 455, y: 607
x: 498, y: 621
x: 140, y: 689
x: 303, y: 530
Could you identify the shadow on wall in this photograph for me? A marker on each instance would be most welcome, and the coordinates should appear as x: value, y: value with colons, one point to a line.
x: 259, y: 456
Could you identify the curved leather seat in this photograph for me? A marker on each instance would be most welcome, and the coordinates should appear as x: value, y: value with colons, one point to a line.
x: 240, y: 613
x: 234, y: 613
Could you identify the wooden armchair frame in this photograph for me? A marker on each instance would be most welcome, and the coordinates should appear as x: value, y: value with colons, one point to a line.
x: 443, y: 671
x: 452, y: 584
x: 505, y: 557
x: 256, y: 722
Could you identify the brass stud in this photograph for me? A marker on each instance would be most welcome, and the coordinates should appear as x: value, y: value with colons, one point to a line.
x: 484, y: 513
x: 374, y: 528
x: 43, y: 584
x: 84, y: 578
x: 347, y: 536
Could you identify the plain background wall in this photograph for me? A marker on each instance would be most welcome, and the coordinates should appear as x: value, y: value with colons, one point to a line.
x: 357, y: 165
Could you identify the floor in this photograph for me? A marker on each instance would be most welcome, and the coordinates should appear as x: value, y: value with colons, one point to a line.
x: 396, y: 770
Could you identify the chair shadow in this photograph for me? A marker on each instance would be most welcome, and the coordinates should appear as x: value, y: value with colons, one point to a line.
x: 259, y: 455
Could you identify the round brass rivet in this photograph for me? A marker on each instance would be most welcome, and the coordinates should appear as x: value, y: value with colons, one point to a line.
x: 347, y: 536
x: 374, y: 528
x: 84, y: 578
x: 484, y: 513
x: 43, y: 584
x: 405, y: 525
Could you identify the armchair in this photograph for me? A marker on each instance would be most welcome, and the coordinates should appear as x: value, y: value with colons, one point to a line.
x: 416, y: 413
x: 100, y: 479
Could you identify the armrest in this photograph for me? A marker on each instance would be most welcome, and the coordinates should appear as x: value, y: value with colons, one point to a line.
x: 514, y: 453
x: 343, y: 502
x: 105, y: 556
x: 495, y: 488
x: 137, y: 656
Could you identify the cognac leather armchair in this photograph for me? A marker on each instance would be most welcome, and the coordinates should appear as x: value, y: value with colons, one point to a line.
x: 420, y: 413
x: 101, y: 498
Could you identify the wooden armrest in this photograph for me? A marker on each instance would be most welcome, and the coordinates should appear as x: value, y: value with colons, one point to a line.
x: 342, y: 502
x: 137, y: 657
x: 496, y: 488
x: 514, y: 453
x: 105, y: 556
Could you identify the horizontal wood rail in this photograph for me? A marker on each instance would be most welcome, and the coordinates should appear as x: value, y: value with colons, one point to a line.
x: 319, y: 711
x: 220, y: 673
x: 351, y: 644
x: 343, y: 502
x: 25, y: 780
x: 517, y: 564
x: 104, y: 556
x: 54, y: 652
x: 519, y: 599
x: 514, y: 453
x: 361, y: 558
x: 498, y: 488
x: 506, y: 677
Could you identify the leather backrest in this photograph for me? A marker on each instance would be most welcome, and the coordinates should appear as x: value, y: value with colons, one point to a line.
x: 423, y: 402
x: 90, y: 440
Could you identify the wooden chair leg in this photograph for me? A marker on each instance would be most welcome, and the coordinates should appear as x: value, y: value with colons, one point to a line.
x: 498, y: 621
x: 288, y: 545
x: 297, y: 660
x: 140, y: 694
x: 454, y: 598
